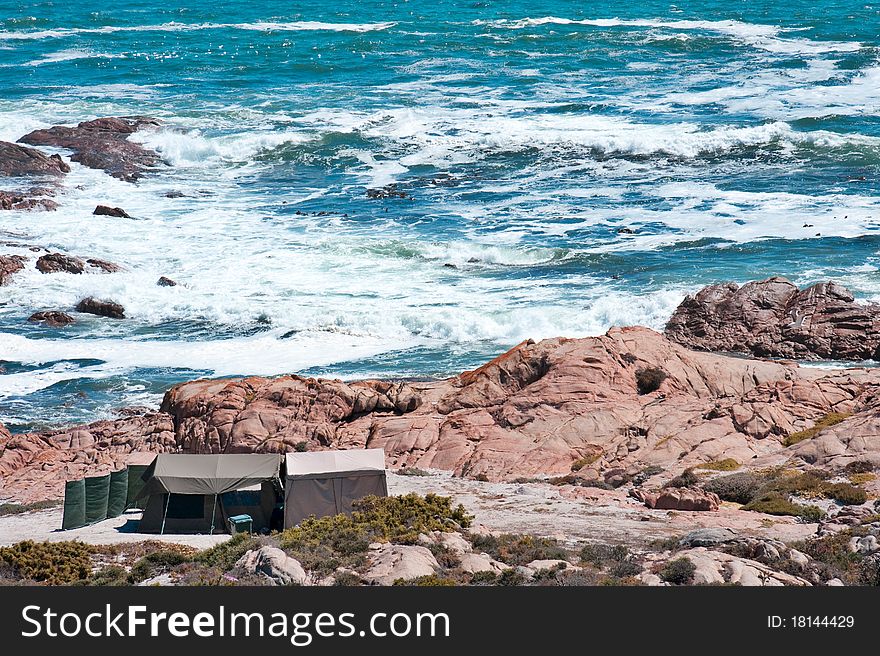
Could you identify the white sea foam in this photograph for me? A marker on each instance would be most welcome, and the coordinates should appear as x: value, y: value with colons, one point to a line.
x: 442, y: 136
x: 765, y: 37
x: 262, y: 26
x: 71, y: 55
x: 194, y: 149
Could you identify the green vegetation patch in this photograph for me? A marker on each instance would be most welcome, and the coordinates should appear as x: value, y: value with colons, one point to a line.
x: 831, y: 419
x: 54, y: 563
x: 728, y: 464
x: 325, y: 543
x: 519, y: 549
x: 678, y: 572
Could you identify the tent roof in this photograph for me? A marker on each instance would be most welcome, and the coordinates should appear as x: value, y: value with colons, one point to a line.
x: 210, y: 473
x: 330, y: 462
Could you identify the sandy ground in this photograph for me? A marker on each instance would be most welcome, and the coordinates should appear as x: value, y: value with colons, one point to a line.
x: 570, y: 514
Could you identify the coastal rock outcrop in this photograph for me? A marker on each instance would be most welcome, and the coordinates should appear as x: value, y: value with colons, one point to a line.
x: 9, y: 266
x: 101, y: 308
x: 773, y: 318
x: 542, y: 408
x: 21, y: 161
x: 32, y: 199
x: 102, y: 144
x: 53, y: 318
x: 106, y: 210
x: 60, y: 263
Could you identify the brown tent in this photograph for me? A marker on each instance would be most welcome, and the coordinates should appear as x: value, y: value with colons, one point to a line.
x: 325, y: 483
x: 188, y: 493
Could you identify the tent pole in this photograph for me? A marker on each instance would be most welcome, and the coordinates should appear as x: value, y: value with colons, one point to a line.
x: 165, y: 514
x: 213, y: 513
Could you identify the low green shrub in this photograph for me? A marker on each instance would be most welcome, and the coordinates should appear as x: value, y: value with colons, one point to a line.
x: 510, y: 577
x: 846, y: 494
x: 679, y: 571
x: 777, y: 503
x: 223, y: 556
x: 108, y: 575
x: 326, y: 543
x: 686, y: 479
x: 649, y: 379
x: 428, y: 580
x: 828, y: 420
x: 519, y: 549
x: 625, y: 568
x: 54, y: 563
x: 603, y: 554
x: 728, y: 464
x: 859, y: 467
x: 484, y: 578
x: 158, y: 562
x: 741, y: 487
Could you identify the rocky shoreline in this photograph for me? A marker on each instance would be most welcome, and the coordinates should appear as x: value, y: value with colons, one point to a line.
x: 663, y: 421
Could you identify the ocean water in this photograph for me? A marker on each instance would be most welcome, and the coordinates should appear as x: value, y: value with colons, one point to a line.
x: 568, y: 166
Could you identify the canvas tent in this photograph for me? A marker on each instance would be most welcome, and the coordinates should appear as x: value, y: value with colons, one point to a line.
x: 189, y: 493
x: 325, y: 483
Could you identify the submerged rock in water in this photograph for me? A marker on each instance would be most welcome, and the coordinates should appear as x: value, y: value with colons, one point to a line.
x: 166, y: 282
x: 773, y: 318
x: 60, y: 263
x: 53, y: 318
x: 9, y: 266
x: 102, y: 144
x: 21, y: 161
x: 101, y: 308
x: 106, y: 210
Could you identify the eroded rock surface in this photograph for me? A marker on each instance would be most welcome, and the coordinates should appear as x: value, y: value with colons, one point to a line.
x: 773, y: 318
x: 102, y: 144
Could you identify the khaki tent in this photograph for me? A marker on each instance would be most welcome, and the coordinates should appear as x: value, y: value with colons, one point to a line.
x: 325, y: 483
x: 187, y: 493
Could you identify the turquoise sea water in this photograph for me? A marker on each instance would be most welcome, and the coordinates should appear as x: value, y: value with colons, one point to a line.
x: 567, y: 166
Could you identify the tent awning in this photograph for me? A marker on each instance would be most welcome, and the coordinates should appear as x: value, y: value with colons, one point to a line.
x: 311, y: 463
x: 210, y: 473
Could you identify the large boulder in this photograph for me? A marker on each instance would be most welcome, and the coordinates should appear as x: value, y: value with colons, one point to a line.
x: 773, y: 318
x: 390, y: 562
x: 102, y: 144
x: 275, y: 565
x: 678, y: 498
x: 21, y: 161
